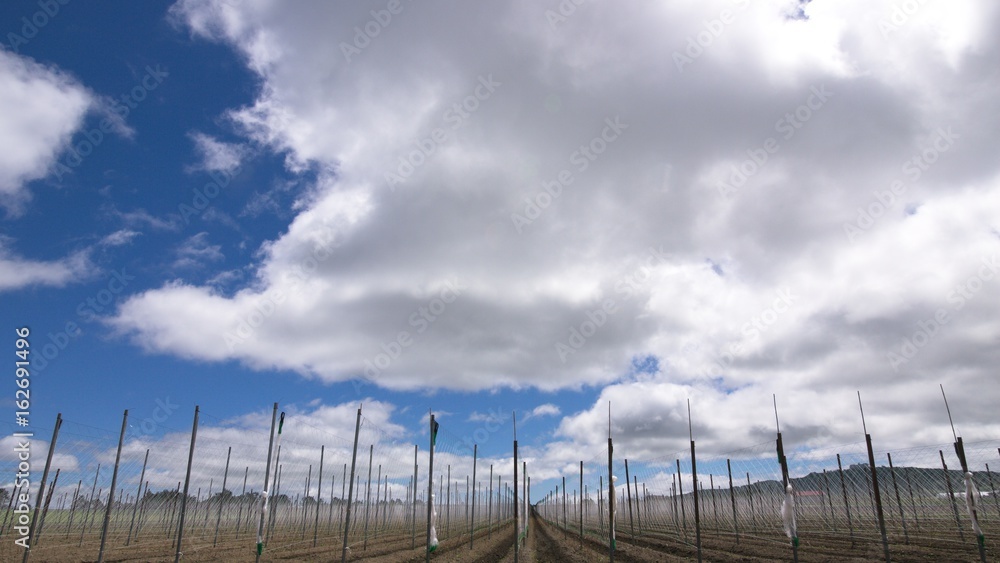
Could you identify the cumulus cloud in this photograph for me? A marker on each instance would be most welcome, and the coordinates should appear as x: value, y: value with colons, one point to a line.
x: 50, y: 107
x: 17, y: 271
x: 548, y: 409
x: 507, y: 199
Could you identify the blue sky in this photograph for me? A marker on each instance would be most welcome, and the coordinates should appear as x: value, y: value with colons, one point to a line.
x: 484, y: 210
x: 132, y: 186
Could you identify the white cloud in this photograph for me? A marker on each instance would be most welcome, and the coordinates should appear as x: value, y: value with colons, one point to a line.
x: 548, y: 409
x: 17, y: 272
x: 217, y: 156
x: 120, y: 237
x: 142, y: 218
x: 50, y: 106
x: 429, y: 283
x: 197, y: 252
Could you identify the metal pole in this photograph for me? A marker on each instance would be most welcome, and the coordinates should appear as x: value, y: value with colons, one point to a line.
x: 413, y: 519
x: 267, y: 475
x: 489, y: 504
x: 378, y: 483
x: 951, y: 496
x: 611, y: 492
x: 111, y: 491
x: 187, y: 483
x: 430, y: 488
x: 45, y: 509
x: 638, y: 510
x: 847, y: 505
x: 517, y: 522
x: 628, y: 495
x: 697, y: 512
x: 829, y: 499
x: 472, y: 527
x: 878, y: 499
x: 343, y: 498
x: 899, y: 503
x: 305, y: 506
x: 368, y: 494
x: 319, y: 491
x: 565, y: 520
x: 680, y: 488
x: 715, y: 505
x: 142, y: 477
x: 10, y: 502
x: 333, y: 483
x: 72, y: 506
x: 993, y: 490
x: 350, y: 494
x: 239, y: 505
x: 41, y: 486
x: 222, y: 495
x: 447, y: 518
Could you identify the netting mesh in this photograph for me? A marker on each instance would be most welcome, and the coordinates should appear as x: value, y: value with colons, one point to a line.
x: 730, y: 499
x: 309, y: 485
x: 740, y: 496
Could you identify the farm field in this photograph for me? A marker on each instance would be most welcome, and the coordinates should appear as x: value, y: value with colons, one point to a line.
x: 737, y: 514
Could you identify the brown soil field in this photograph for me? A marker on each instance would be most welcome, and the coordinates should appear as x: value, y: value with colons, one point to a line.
x: 545, y: 542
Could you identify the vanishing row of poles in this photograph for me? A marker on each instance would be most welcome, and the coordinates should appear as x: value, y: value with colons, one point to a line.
x: 554, y: 507
x: 507, y: 501
x: 269, y: 509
